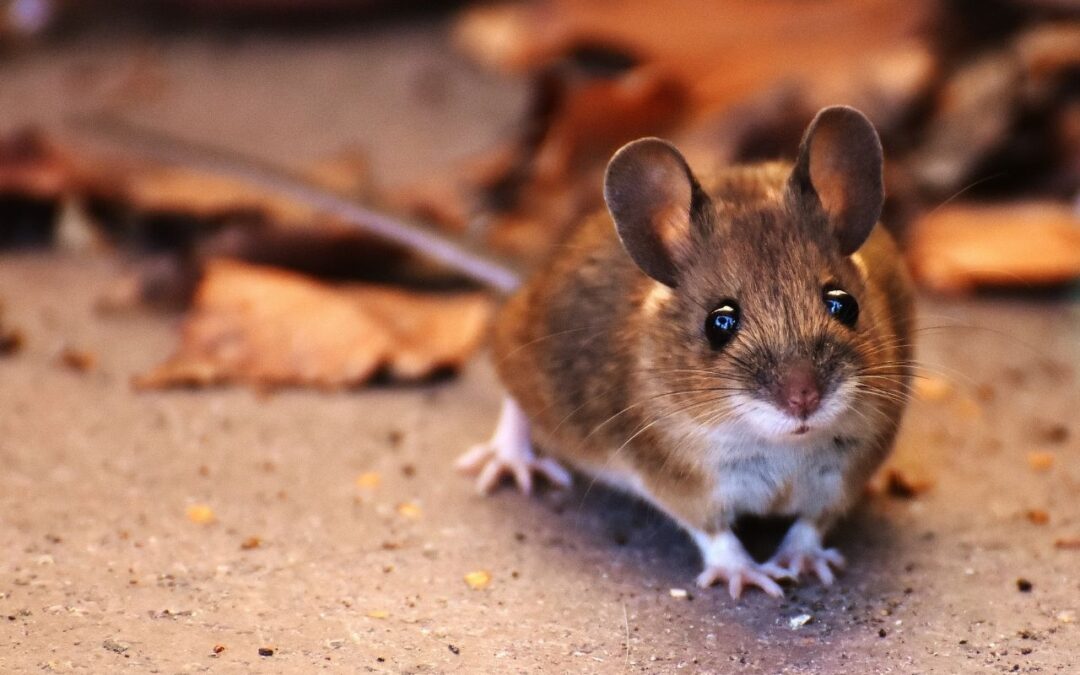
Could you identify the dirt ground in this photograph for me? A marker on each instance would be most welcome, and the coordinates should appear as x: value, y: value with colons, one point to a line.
x: 105, y: 571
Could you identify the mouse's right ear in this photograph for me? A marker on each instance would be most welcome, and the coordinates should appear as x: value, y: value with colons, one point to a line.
x: 839, y: 168
x: 649, y: 191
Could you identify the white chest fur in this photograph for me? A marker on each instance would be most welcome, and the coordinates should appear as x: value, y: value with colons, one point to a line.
x: 759, y: 478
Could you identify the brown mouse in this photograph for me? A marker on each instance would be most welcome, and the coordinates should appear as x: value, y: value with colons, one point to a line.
x: 735, y: 346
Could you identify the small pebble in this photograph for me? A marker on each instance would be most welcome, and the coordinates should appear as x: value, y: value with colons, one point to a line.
x: 797, y: 622
x: 266, y: 651
x: 478, y: 580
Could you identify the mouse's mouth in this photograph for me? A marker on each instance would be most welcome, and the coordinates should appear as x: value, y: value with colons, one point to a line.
x: 777, y: 425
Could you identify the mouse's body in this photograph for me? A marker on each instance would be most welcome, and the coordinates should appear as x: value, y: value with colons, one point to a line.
x: 738, y: 347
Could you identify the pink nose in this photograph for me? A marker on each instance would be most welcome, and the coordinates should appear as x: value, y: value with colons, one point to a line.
x: 798, y: 392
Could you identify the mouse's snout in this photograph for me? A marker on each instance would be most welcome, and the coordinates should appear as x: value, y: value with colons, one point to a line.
x: 797, y: 391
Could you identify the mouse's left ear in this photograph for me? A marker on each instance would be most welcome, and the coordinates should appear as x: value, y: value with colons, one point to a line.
x: 650, y: 193
x: 840, y: 167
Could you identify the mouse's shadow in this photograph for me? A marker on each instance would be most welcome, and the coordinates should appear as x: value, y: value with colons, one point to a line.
x: 600, y: 521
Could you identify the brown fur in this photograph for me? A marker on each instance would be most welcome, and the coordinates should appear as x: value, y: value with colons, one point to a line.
x: 610, y: 365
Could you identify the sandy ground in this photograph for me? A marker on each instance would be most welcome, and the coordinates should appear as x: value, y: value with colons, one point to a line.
x: 104, y: 571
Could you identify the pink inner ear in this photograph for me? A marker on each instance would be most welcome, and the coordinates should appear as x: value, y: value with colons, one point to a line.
x: 672, y: 223
x: 830, y: 171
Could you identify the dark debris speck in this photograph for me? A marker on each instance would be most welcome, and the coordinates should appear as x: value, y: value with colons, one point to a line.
x: 882, y: 633
x: 266, y: 651
x: 1024, y: 585
x: 454, y: 649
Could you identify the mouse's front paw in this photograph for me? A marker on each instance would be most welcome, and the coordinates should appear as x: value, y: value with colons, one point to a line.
x: 492, y: 461
x: 820, y: 561
x: 739, y: 576
x: 802, y: 552
x: 726, y: 560
x: 510, y: 453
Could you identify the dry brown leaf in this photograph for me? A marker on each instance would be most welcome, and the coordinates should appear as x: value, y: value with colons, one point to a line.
x: 725, y: 55
x: 145, y: 188
x: 956, y: 249
x: 33, y: 166
x: 530, y: 191
x: 271, y: 328
x: 905, y: 485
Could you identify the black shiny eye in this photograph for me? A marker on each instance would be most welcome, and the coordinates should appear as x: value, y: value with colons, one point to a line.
x: 721, y: 324
x: 842, y: 305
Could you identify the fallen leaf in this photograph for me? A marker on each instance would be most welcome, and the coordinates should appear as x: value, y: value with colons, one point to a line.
x: 201, y: 514
x: 378, y: 613
x: 828, y: 46
x: 35, y: 178
x: 478, y: 580
x: 250, y: 543
x: 1072, y: 544
x: 905, y: 486
x: 270, y: 328
x: 409, y: 510
x: 956, y: 249
x: 33, y: 166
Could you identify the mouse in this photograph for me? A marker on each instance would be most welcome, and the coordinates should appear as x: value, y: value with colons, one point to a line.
x: 724, y: 346
x: 727, y: 346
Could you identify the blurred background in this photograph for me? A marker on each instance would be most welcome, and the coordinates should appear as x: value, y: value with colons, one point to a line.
x: 129, y: 274
x: 491, y: 123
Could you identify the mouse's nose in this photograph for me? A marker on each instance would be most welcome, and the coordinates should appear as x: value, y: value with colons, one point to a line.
x: 797, y: 392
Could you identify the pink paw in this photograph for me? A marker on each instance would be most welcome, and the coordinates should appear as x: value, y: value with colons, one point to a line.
x: 802, y: 552
x: 820, y: 561
x: 510, y: 453
x: 739, y: 577
x: 726, y: 560
x: 492, y: 463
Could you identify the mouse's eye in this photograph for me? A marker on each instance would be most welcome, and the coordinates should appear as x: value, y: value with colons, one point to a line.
x: 841, y: 305
x: 721, y: 324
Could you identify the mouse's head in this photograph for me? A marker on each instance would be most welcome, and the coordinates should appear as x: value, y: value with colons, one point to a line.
x: 761, y: 313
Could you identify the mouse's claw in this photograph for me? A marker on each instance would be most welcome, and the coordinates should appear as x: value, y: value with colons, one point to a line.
x: 510, y: 453
x: 738, y: 577
x: 802, y: 551
x: 727, y: 560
